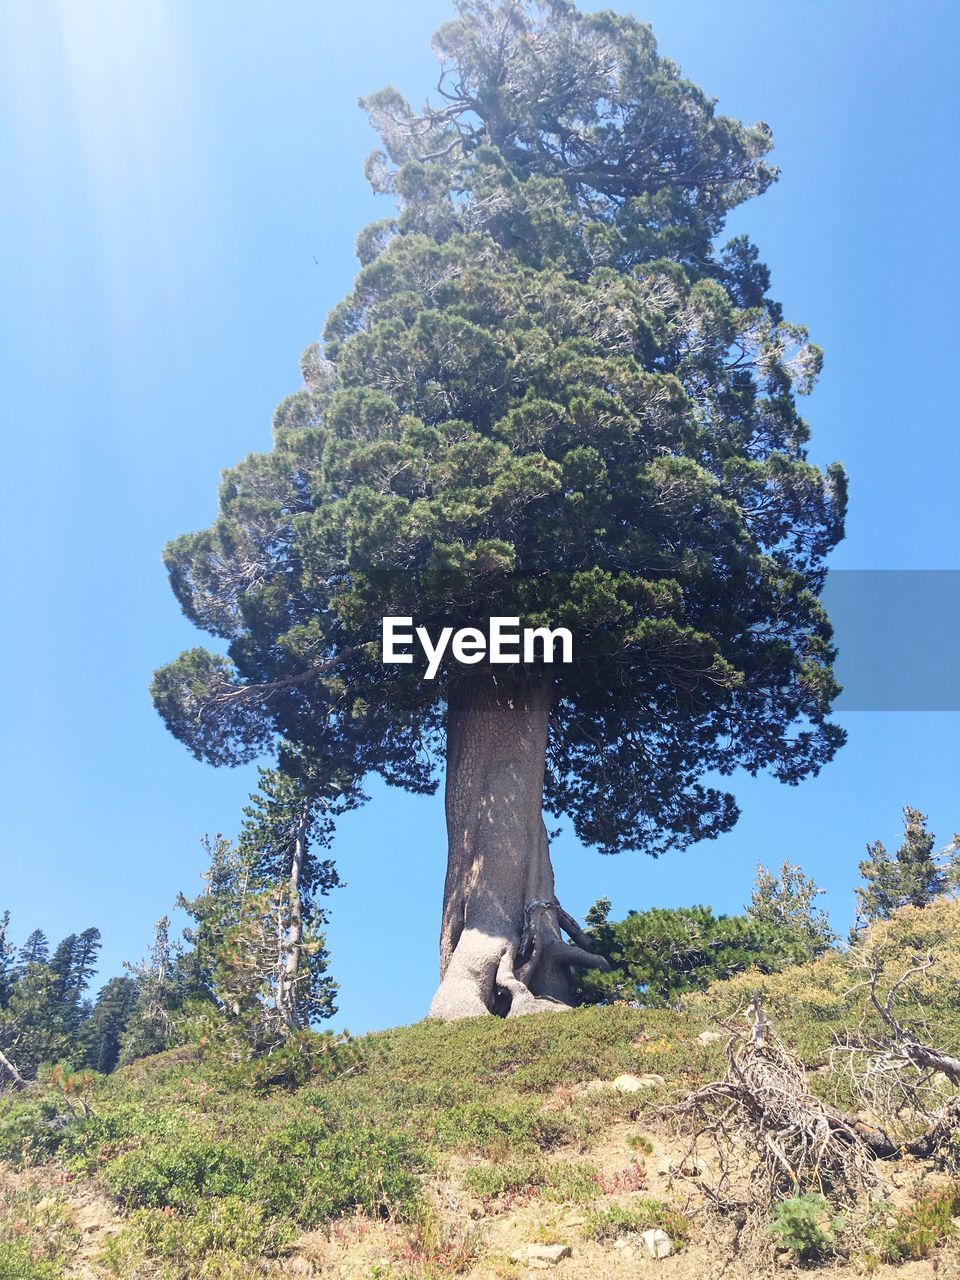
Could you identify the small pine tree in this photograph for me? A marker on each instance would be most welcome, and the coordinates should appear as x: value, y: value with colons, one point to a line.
x: 915, y: 875
x: 659, y: 955
x: 786, y: 901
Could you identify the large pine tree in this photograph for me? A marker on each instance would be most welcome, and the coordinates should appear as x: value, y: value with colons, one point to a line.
x: 550, y: 395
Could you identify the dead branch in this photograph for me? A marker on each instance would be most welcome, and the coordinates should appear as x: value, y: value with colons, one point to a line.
x: 762, y: 1121
x: 15, y: 1076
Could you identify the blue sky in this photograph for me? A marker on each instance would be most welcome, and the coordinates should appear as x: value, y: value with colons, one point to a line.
x: 182, y: 187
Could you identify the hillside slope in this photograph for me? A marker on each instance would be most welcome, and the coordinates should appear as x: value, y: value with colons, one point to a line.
x: 470, y: 1149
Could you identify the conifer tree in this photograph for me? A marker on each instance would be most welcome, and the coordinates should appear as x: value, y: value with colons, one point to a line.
x: 659, y: 955
x: 915, y: 875
x: 149, y: 1027
x: 258, y: 949
x: 102, y: 1032
x: 787, y: 901
x: 553, y: 394
x: 7, y: 960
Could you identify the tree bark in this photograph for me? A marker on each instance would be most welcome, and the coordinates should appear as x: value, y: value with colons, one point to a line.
x: 501, y: 949
x: 291, y: 941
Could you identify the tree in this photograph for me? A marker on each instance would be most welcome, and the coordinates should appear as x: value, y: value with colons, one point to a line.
x: 102, y: 1032
x: 550, y: 396
x: 7, y: 969
x: 787, y: 902
x: 157, y: 995
x: 915, y: 875
x: 258, y: 949
x: 45, y: 1006
x: 657, y: 956
x: 36, y: 949
x: 73, y: 964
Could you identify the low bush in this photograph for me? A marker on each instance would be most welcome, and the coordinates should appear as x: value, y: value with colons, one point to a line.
x: 921, y: 1227
x: 177, y: 1177
x: 805, y: 1225
x: 640, y: 1215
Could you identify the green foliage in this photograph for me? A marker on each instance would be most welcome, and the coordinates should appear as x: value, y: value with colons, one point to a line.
x: 497, y: 1129
x: 258, y: 953
x: 921, y: 1227
x: 226, y: 1228
x: 572, y: 1180
x: 659, y: 955
x: 176, y: 1176
x: 805, y: 1226
x: 786, y: 902
x: 301, y: 1057
x: 102, y: 1033
x: 159, y: 993
x: 915, y: 876
x: 615, y: 1220
x: 37, y: 1240
x: 551, y: 395
x: 490, y: 1180
x: 43, y: 1009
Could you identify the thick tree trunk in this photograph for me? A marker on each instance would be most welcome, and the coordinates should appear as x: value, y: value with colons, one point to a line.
x: 501, y: 949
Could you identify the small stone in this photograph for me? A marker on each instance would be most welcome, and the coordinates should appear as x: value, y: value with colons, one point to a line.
x: 633, y: 1084
x: 655, y: 1244
x: 708, y: 1037
x: 545, y: 1254
x: 574, y: 1220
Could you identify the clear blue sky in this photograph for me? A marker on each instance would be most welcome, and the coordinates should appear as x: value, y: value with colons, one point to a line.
x: 181, y: 189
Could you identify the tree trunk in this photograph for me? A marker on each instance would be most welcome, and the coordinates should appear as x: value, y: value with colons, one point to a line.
x: 292, y: 931
x: 501, y: 949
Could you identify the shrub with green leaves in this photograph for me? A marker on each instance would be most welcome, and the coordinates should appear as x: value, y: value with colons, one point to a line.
x: 921, y: 1227
x: 805, y: 1226
x: 493, y: 1180
x: 614, y: 1220
x: 177, y: 1176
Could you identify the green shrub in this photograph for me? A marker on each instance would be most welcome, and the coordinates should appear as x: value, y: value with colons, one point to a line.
x: 18, y: 1263
x: 227, y: 1225
x: 496, y: 1130
x: 490, y: 1180
x: 921, y: 1227
x: 322, y: 1175
x: 805, y: 1226
x: 177, y: 1176
x: 616, y: 1220
x: 572, y: 1180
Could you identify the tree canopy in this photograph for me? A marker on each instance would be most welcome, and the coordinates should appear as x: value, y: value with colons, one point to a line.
x: 551, y: 394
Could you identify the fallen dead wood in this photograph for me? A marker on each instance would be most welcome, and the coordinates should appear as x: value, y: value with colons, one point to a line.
x: 762, y: 1123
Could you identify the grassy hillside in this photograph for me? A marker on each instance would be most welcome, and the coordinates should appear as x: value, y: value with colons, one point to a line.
x: 438, y: 1150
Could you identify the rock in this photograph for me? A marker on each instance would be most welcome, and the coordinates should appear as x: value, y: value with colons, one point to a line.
x: 655, y: 1244
x: 633, y: 1084
x: 574, y: 1220
x: 545, y: 1254
x: 708, y: 1037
